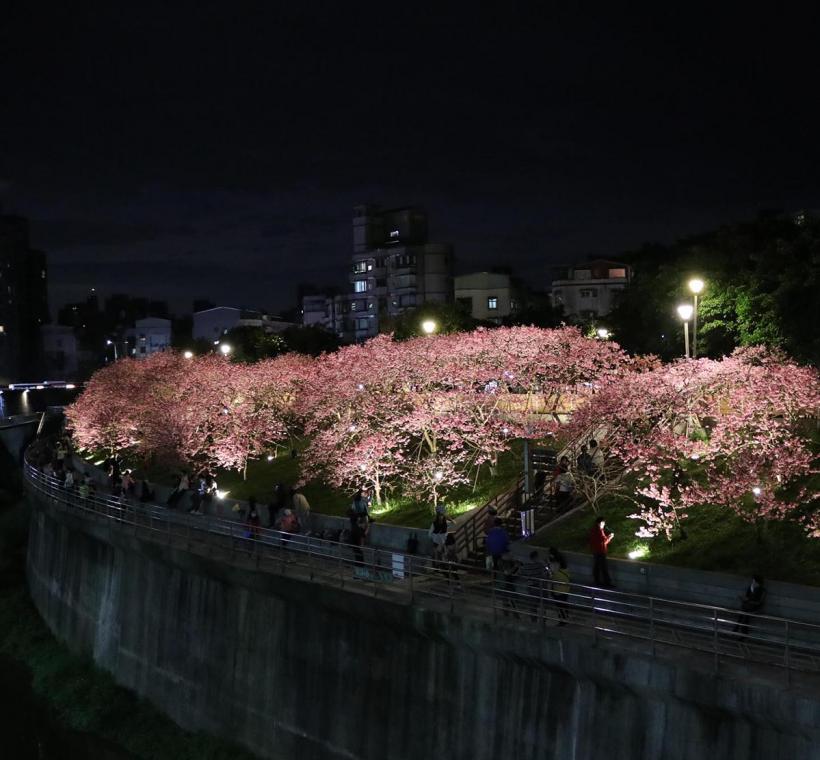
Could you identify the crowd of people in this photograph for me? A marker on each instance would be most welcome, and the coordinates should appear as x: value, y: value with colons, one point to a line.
x: 530, y: 585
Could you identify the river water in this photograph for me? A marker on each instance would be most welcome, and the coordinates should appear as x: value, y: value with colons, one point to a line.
x: 28, y: 402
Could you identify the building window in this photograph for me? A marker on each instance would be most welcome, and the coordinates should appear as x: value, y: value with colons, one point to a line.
x: 362, y: 324
x: 394, y: 234
x: 617, y: 273
x: 359, y: 267
x: 513, y: 304
x: 360, y: 286
x: 589, y: 292
x: 492, y: 303
x: 354, y: 305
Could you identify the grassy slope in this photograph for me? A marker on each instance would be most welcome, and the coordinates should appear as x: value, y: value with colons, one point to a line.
x: 83, y: 697
x: 263, y: 476
x: 717, y: 540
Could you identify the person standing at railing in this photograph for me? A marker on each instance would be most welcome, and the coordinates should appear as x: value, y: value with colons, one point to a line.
x: 252, y: 520
x: 599, y: 540
x: 752, y: 601
x: 301, y: 506
x: 69, y: 480
x: 438, y: 535
x: 560, y: 584
x: 536, y: 572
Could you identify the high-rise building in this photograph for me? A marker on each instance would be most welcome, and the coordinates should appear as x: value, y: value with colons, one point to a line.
x: 23, y: 301
x: 394, y: 268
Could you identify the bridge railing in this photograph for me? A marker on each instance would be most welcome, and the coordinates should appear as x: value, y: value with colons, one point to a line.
x: 724, y: 635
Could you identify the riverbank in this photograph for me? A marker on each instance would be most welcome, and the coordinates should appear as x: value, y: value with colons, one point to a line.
x: 78, y: 709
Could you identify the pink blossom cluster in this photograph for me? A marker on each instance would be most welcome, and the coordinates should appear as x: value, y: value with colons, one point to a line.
x: 737, y: 432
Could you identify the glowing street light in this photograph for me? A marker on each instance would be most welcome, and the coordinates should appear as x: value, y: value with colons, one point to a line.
x: 225, y: 349
x: 188, y: 354
x: 429, y: 326
x: 685, y: 313
x: 602, y: 333
x: 110, y: 342
x: 696, y: 286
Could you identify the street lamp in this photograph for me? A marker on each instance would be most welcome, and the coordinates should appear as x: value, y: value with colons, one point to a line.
x: 685, y: 313
x: 602, y: 333
x: 188, y: 354
x: 110, y: 342
x: 429, y: 326
x: 225, y: 349
x: 696, y: 286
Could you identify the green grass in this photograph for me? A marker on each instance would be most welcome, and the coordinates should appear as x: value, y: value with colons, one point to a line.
x: 262, y: 477
x: 716, y: 540
x: 78, y: 695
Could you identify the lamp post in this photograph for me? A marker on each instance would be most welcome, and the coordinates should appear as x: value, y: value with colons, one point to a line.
x: 110, y: 342
x: 696, y: 286
x: 685, y: 313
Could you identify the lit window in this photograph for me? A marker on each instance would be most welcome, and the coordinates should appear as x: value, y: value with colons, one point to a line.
x: 492, y: 302
x: 613, y: 273
x: 394, y: 233
x: 359, y: 267
x: 360, y: 286
x: 2, y: 328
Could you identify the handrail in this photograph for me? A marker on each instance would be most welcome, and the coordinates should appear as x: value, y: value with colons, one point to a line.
x: 470, y: 532
x: 724, y: 634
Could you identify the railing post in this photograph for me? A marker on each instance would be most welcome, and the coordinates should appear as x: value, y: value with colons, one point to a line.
x: 788, y: 656
x: 652, y: 624
x: 715, y: 637
x: 492, y: 580
x: 410, y: 570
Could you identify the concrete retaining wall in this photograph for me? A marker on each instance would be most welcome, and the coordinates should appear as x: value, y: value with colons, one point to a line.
x: 295, y: 669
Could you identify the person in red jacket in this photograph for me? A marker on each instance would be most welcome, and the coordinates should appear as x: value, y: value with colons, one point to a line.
x: 598, y: 541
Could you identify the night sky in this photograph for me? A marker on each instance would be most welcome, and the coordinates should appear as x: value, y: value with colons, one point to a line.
x: 215, y: 150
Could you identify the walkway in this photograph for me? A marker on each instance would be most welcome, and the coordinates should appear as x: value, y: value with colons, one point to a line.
x: 659, y: 626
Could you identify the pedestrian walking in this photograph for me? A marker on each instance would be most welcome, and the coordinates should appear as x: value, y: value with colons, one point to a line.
x: 497, y: 543
x: 599, y: 540
x: 564, y: 485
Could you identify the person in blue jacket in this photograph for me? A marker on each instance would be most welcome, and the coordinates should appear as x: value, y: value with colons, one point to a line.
x: 497, y: 543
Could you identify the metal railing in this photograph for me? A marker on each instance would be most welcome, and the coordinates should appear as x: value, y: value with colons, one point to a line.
x: 469, y: 535
x: 662, y: 625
